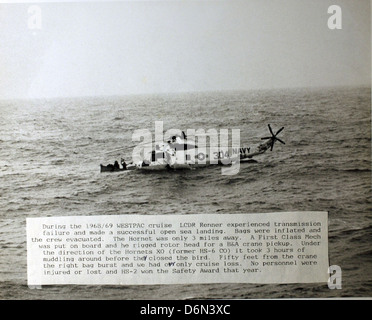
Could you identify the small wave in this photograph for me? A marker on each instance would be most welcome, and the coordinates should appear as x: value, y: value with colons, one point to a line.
x: 355, y: 232
x: 356, y: 170
x: 352, y: 170
x: 299, y: 143
x: 237, y: 179
x: 138, y: 202
x: 367, y: 254
x: 269, y: 165
x: 57, y: 162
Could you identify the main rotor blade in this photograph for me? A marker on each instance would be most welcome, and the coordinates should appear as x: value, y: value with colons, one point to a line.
x: 272, y: 146
x: 271, y: 131
x: 279, y: 131
x: 264, y: 138
x: 280, y: 140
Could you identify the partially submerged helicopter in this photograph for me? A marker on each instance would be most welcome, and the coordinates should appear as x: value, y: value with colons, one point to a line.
x: 179, y: 153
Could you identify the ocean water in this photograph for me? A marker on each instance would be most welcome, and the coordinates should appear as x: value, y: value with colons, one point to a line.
x: 50, y: 152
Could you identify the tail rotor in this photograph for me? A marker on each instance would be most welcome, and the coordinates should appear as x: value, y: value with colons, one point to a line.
x: 273, y: 137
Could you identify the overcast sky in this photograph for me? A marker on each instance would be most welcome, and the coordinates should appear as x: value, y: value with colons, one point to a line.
x: 119, y: 48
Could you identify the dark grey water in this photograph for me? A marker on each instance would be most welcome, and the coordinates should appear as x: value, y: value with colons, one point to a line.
x: 50, y: 151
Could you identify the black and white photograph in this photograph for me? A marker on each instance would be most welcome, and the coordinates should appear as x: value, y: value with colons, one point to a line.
x: 188, y: 110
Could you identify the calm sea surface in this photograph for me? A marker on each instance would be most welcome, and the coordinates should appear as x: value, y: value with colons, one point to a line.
x: 50, y: 151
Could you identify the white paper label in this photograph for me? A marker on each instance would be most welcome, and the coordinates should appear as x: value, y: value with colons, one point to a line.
x: 285, y: 247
